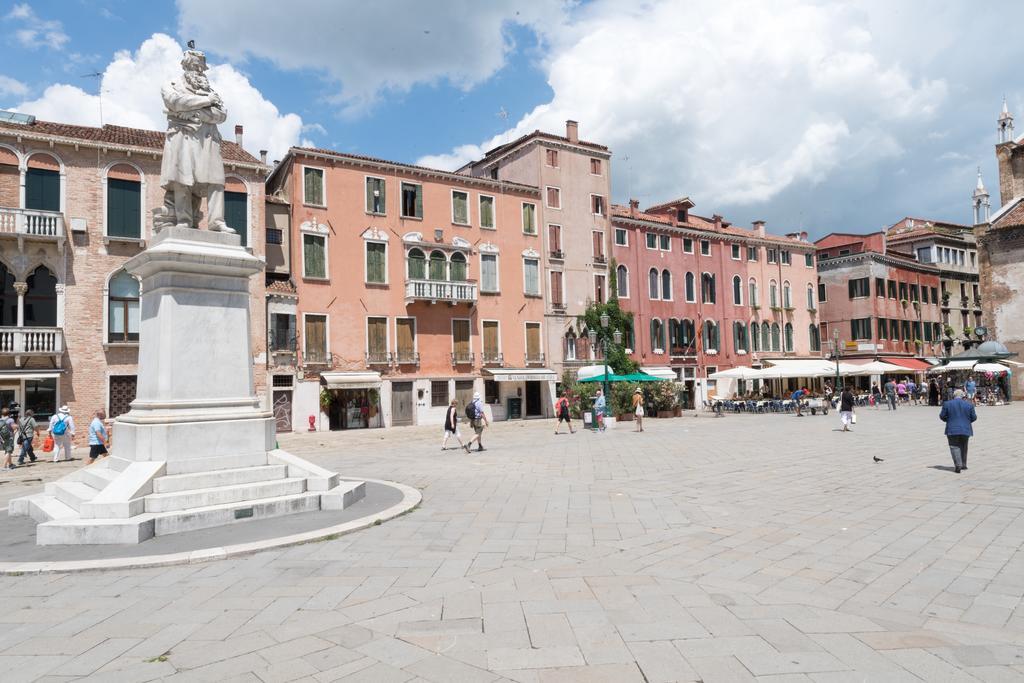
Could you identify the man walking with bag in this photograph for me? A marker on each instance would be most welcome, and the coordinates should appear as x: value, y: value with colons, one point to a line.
x: 846, y: 402
x: 27, y: 430
x: 958, y: 414
x: 62, y: 429
x: 475, y: 411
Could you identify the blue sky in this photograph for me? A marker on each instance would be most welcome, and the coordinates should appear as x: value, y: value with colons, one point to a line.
x: 811, y: 115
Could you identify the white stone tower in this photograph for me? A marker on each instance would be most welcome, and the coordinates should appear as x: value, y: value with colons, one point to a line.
x: 982, y: 208
x: 1005, y: 124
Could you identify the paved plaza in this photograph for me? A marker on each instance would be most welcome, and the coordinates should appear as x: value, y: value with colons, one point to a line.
x: 745, y: 548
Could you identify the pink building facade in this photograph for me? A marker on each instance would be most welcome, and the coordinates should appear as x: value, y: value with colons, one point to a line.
x: 415, y: 287
x: 708, y: 296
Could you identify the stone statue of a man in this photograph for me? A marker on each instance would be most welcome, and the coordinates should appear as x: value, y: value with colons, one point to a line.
x: 192, y: 166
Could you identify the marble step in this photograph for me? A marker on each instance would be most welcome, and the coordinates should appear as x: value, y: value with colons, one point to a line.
x: 207, y: 480
x: 42, y: 507
x: 222, y: 495
x: 98, y: 477
x: 74, y: 493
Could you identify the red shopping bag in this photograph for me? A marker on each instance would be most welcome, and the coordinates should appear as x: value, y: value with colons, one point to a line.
x: 48, y: 444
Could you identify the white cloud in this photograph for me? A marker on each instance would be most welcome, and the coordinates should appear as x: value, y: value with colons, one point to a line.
x: 36, y: 32
x: 367, y: 49
x: 130, y: 88
x: 727, y: 101
x: 10, y: 86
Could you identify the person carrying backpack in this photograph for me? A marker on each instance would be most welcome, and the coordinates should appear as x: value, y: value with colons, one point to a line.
x: 27, y: 430
x: 7, y: 438
x: 562, y: 411
x: 62, y: 429
x: 477, y: 417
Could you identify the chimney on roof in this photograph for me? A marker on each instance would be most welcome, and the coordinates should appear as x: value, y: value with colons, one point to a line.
x: 238, y: 135
x: 718, y: 221
x: 634, y: 205
x: 263, y: 157
x: 759, y: 227
x: 572, y: 131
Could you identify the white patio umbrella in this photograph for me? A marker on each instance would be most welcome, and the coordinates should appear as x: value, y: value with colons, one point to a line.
x: 876, y: 367
x: 740, y: 372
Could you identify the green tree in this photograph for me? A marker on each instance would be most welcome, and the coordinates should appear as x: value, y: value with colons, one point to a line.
x: 618, y: 361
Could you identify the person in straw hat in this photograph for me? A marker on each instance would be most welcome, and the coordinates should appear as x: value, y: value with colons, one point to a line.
x: 638, y: 409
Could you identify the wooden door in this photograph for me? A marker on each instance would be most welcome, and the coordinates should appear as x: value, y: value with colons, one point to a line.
x: 283, y: 411
x: 533, y: 404
x: 463, y: 394
x: 401, y: 404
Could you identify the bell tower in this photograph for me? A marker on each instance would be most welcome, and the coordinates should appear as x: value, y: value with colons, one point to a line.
x: 982, y: 208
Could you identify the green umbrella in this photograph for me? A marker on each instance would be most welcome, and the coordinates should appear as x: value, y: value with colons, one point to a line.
x: 634, y: 377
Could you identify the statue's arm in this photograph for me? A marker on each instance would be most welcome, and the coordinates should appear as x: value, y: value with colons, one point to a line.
x: 179, y: 101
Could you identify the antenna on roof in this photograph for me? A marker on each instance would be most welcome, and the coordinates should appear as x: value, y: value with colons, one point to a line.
x: 503, y: 115
x: 629, y: 177
x: 99, y: 90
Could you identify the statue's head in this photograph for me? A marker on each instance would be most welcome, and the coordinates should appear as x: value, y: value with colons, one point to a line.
x: 194, y: 67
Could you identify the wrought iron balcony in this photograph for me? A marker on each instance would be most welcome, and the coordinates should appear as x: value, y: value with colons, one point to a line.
x: 600, y: 259
x: 493, y: 358
x: 378, y: 358
x: 407, y: 358
x: 535, y: 359
x: 32, y: 224
x: 557, y: 254
x: 440, y: 290
x: 462, y: 358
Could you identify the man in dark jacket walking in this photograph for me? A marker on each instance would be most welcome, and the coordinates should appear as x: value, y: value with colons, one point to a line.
x: 958, y: 415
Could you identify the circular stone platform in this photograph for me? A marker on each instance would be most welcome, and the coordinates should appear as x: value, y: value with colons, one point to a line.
x: 19, y: 553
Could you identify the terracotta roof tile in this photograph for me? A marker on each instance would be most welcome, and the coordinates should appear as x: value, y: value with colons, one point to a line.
x: 540, y: 134
x: 115, y: 135
x: 1014, y: 216
x: 695, y: 222
x: 282, y: 287
x: 665, y: 205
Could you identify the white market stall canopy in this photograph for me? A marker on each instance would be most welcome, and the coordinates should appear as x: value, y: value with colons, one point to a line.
x: 794, y: 368
x: 588, y: 371
x: 350, y: 380
x: 995, y: 368
x: 954, y: 365
x: 660, y: 373
x: 875, y: 367
x: 741, y: 372
x: 522, y: 374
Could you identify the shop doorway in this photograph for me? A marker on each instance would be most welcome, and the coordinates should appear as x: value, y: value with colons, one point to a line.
x: 401, y: 404
x: 534, y: 407
x: 354, y: 409
x: 463, y: 393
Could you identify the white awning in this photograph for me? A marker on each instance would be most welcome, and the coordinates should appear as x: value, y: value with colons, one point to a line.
x: 794, y: 367
x: 876, y: 367
x: 741, y: 372
x: 588, y: 371
x: 350, y: 380
x: 661, y: 372
x: 995, y: 368
x: 952, y: 365
x: 521, y: 374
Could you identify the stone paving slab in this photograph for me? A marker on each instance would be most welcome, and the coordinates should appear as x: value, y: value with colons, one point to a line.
x: 747, y: 548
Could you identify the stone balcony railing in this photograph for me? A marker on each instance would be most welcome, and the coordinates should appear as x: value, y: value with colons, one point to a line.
x: 31, y: 341
x: 440, y: 290
x: 22, y: 223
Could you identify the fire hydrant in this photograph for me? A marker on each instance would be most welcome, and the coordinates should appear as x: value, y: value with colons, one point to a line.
x: 312, y: 423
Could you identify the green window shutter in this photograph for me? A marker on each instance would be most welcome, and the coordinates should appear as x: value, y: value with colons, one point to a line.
x: 369, y: 195
x: 419, y: 201
x: 236, y: 215
x: 42, y: 189
x: 124, y: 208
x: 375, y: 262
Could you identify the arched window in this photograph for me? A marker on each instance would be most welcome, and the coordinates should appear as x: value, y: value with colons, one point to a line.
x: 652, y: 278
x: 666, y: 285
x: 773, y: 294
x: 124, y: 202
x: 458, y: 268
x: 622, y: 282
x: 789, y: 337
x: 657, y: 336
x: 123, y: 308
x: 570, y: 345
x: 41, y: 299
x: 687, y: 333
x: 417, y: 265
x: 737, y: 290
x: 673, y: 334
x: 236, y: 208
x: 810, y: 298
x: 739, y: 336
x: 752, y: 292
x: 787, y: 297
x: 707, y: 288
x: 8, y: 297
x: 710, y: 335
x: 755, y: 338
x: 776, y: 333
x: 42, y: 182
x: 766, y: 337
x: 438, y: 266
x: 691, y: 288
x: 815, y: 337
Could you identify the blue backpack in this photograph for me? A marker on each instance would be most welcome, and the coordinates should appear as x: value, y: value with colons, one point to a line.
x: 60, y: 426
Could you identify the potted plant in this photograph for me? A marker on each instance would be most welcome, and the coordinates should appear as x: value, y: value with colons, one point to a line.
x: 622, y: 401
x: 664, y: 395
x: 949, y: 331
x: 904, y: 302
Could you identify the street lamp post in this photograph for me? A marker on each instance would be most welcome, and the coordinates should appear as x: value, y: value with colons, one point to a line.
x: 617, y: 338
x: 835, y: 355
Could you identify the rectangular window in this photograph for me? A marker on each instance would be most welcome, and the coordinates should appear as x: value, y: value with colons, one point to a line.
x: 554, y: 198
x: 752, y: 254
x: 595, y: 167
x: 880, y: 287
x: 859, y: 287
x: 376, y: 260
x: 705, y: 248
x: 412, y: 200
x: 597, y: 204
x: 894, y: 330
x: 621, y: 238
x: 282, y: 332
x: 491, y: 393
x: 405, y: 337
x: 489, y: 273
x: 460, y: 340
x: 772, y: 258
x: 599, y: 288
x: 531, y: 276
x: 809, y: 260
x: 903, y: 291
x: 924, y: 294
x: 924, y: 254
x: 914, y: 293
x: 491, y: 347
x: 665, y: 242
x: 438, y: 393
x: 314, y: 256
x: 735, y: 252
x: 551, y: 157
x: 313, y: 186
x: 123, y: 309
x: 890, y: 288
x: 121, y: 391
x: 905, y: 329
x: 821, y: 292
x: 529, y: 218
x: 883, y: 329
x: 460, y: 207
x: 124, y: 208
x: 784, y: 254
x: 597, y: 239
x: 555, y: 238
x: 487, y: 211
x: 377, y: 340
x: 315, y: 343
x: 687, y: 245
x: 42, y: 189
x: 652, y: 240
x: 275, y: 236
x: 375, y: 199
x: 533, y: 342
x: 860, y: 328
x: 557, y: 299
x: 236, y: 214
